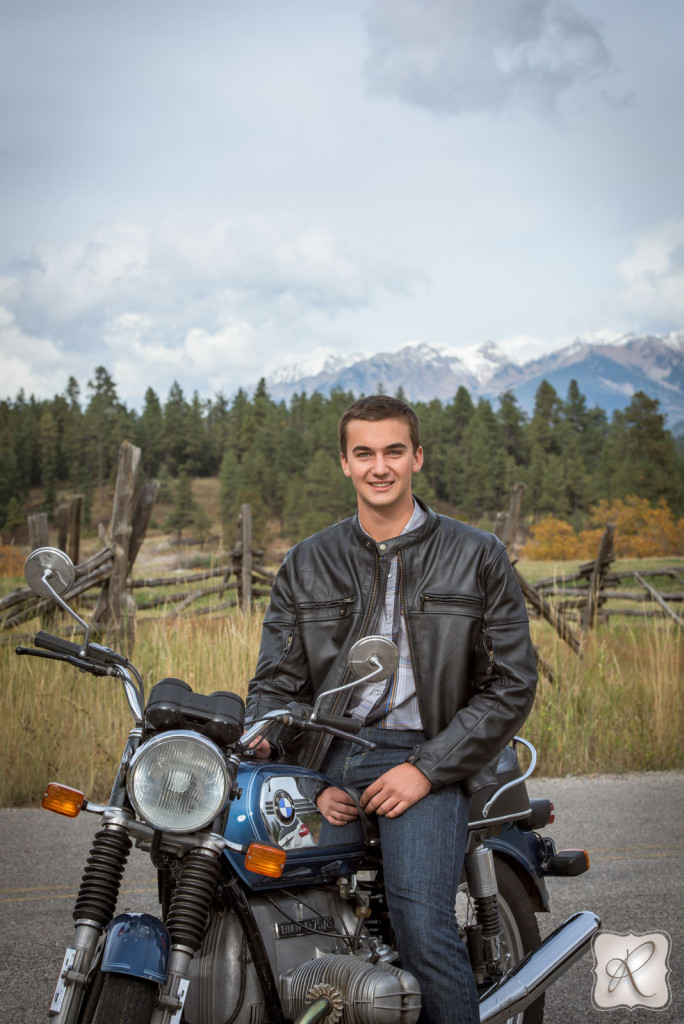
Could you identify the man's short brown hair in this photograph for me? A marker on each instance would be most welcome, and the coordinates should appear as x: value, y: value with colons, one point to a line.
x: 379, y: 407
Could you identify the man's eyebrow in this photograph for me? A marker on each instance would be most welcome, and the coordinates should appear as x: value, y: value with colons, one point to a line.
x: 389, y: 447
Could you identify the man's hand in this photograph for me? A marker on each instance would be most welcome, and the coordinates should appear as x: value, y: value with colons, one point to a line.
x: 337, y: 806
x: 261, y: 748
x: 396, y: 791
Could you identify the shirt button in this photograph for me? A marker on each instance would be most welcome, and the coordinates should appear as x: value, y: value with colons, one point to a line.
x: 383, y: 547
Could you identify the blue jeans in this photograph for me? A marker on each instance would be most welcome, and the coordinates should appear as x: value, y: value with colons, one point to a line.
x: 422, y: 852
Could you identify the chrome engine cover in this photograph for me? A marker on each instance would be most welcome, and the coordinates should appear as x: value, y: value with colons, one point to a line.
x: 360, y: 992
x: 304, y: 935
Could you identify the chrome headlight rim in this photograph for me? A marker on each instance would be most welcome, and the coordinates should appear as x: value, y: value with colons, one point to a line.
x: 151, y: 747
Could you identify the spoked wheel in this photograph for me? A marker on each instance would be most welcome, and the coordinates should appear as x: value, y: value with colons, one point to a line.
x: 125, y: 1000
x: 519, y: 929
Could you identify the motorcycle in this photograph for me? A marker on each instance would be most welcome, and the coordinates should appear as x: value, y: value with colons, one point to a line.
x: 266, y: 917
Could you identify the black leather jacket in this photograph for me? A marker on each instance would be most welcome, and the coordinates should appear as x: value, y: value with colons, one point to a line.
x: 468, y: 631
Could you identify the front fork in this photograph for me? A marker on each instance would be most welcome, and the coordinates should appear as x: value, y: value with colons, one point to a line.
x: 484, y: 936
x: 94, y: 911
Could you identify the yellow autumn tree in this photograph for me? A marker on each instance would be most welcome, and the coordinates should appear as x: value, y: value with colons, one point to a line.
x: 552, y: 540
x: 641, y: 530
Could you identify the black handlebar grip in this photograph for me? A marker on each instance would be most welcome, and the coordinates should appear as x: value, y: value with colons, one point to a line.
x: 350, y: 725
x: 57, y: 644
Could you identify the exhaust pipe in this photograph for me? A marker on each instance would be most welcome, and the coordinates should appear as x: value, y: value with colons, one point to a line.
x: 528, y: 979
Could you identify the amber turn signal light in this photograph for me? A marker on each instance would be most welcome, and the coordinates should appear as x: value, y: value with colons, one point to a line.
x: 62, y: 800
x: 265, y: 860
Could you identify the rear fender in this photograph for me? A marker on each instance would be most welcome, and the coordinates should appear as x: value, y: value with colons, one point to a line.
x: 525, y: 852
x: 137, y: 945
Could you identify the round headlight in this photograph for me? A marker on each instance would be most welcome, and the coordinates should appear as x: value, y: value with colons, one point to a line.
x: 178, y: 781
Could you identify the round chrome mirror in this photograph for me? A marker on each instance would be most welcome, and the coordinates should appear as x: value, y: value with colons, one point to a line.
x: 49, y: 571
x: 378, y: 647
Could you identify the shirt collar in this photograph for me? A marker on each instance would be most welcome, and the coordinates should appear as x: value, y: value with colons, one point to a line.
x: 417, y: 519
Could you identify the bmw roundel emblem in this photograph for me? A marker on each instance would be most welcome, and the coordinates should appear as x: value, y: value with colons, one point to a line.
x: 283, y: 806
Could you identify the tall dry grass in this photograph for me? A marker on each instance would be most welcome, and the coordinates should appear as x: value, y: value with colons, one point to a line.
x: 60, y: 724
x: 616, y: 709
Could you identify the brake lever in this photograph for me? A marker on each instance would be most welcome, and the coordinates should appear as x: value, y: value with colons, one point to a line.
x: 80, y: 663
x: 306, y: 723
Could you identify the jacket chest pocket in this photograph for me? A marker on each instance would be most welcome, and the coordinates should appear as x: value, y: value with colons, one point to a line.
x: 452, y: 604
x: 318, y: 611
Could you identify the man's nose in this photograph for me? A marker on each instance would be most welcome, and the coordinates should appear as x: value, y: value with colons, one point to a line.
x: 379, y: 465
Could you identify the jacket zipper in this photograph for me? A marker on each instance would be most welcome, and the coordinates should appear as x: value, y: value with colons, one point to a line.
x: 326, y: 604
x: 450, y: 599
x: 400, y: 562
x: 345, y: 678
x: 488, y: 645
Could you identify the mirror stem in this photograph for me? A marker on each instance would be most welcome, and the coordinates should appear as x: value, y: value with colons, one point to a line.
x: 62, y: 603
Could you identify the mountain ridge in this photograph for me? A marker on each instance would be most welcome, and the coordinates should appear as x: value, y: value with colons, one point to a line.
x: 608, y: 367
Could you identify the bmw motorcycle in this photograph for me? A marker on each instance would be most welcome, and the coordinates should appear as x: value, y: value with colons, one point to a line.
x: 266, y: 917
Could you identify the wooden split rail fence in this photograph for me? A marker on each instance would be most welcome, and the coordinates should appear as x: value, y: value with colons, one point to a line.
x: 575, y: 600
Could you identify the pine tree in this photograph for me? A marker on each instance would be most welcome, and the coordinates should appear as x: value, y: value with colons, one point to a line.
x: 643, y: 453
x: 14, y: 519
x: 546, y: 418
x: 48, y: 460
x: 184, y: 507
x: 175, y: 429
x: 150, y: 434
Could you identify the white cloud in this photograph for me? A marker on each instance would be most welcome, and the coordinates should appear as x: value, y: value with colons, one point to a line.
x: 459, y: 56
x: 219, y: 301
x: 36, y: 364
x: 654, y: 274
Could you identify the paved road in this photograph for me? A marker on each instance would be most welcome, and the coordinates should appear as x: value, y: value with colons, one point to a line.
x: 631, y: 825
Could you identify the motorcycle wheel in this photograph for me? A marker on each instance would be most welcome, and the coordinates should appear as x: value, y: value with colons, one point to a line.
x: 519, y: 929
x: 125, y: 1000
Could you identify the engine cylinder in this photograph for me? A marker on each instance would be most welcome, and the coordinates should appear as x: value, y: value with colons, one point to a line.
x: 371, y: 993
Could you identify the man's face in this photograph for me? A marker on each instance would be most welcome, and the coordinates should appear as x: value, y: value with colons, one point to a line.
x: 381, y: 462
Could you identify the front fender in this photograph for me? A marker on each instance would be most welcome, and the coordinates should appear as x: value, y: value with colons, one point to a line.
x: 526, y: 850
x: 138, y: 945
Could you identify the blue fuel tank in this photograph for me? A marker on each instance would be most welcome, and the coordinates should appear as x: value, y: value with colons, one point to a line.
x: 275, y: 805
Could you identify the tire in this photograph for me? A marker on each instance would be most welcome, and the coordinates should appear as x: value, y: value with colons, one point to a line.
x: 125, y: 1000
x: 519, y: 928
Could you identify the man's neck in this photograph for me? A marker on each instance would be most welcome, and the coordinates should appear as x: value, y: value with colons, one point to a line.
x: 383, y: 524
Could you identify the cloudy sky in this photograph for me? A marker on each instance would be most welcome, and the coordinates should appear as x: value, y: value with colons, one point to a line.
x: 206, y: 192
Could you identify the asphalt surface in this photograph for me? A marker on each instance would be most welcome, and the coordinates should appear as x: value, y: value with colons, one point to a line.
x: 630, y: 824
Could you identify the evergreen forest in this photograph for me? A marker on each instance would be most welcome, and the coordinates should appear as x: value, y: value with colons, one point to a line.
x: 283, y: 458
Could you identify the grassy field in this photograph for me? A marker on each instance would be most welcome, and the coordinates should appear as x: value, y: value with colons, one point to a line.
x: 617, y: 708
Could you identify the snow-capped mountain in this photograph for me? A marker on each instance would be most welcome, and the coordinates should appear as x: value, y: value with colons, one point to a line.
x: 608, y: 367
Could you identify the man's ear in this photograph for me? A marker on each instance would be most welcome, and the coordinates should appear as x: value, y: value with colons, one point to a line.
x: 345, y: 465
x: 418, y: 459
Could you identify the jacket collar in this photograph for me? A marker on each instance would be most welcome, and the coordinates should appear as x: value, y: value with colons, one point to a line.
x: 404, y: 540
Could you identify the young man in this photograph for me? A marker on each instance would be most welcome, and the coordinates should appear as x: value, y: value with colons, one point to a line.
x: 446, y: 594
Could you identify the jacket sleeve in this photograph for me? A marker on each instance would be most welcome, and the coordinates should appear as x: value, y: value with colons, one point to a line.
x: 503, y: 685
x: 282, y: 673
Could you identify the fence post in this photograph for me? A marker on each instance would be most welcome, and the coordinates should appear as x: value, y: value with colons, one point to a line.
x: 38, y: 530
x: 116, y: 604
x: 507, y: 527
x: 603, y: 560
x: 246, y: 562
x: 74, y: 528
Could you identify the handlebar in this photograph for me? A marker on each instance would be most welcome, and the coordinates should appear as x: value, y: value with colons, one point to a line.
x: 57, y: 644
x: 71, y: 659
x: 93, y: 658
x: 351, y: 726
x: 299, y: 716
